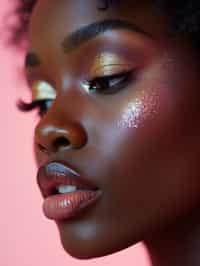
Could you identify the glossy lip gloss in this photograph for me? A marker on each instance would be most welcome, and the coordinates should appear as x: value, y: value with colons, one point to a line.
x: 58, y: 206
x: 70, y: 204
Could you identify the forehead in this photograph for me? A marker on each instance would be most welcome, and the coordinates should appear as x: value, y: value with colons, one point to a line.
x: 54, y: 18
x: 53, y: 21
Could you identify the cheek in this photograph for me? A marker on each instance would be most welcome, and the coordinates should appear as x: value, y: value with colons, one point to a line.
x: 152, y: 128
x: 155, y: 134
x: 149, y: 160
x: 158, y: 116
x: 135, y: 112
x: 143, y: 121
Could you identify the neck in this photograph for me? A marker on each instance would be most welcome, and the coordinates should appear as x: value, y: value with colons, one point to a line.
x: 179, y: 245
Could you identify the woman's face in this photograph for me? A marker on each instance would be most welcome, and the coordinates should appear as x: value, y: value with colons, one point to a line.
x: 136, y: 135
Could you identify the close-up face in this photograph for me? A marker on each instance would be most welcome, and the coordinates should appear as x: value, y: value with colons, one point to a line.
x: 122, y: 109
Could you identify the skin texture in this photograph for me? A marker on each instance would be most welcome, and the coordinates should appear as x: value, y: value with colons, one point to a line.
x: 140, y: 145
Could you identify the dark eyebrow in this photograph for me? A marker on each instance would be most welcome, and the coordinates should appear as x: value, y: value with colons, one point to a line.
x: 84, y: 34
x: 88, y: 32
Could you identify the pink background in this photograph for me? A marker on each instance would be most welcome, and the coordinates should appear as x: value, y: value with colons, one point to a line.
x: 27, y: 237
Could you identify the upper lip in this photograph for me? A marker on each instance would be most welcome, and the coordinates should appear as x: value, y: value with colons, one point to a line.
x: 53, y: 174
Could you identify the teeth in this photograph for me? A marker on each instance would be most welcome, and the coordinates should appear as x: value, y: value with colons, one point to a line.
x: 64, y: 189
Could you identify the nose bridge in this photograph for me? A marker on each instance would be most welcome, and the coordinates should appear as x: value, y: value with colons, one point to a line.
x: 61, y: 127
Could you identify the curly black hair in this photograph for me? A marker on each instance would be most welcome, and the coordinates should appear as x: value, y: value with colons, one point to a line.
x: 184, y: 17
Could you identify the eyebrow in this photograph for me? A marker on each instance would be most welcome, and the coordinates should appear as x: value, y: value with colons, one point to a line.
x: 75, y: 39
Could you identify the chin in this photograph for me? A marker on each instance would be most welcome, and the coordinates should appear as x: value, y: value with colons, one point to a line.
x: 85, y: 249
x: 86, y: 253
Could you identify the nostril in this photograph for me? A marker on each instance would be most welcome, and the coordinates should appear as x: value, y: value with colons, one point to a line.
x: 42, y: 148
x: 60, y: 143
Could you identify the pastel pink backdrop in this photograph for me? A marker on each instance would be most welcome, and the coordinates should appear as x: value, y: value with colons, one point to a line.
x: 27, y: 237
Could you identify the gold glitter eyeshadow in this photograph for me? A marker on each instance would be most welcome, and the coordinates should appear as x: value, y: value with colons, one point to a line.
x: 108, y: 64
x: 42, y: 90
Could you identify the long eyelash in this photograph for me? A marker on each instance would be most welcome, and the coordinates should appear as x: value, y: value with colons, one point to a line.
x: 107, y: 77
x: 26, y: 107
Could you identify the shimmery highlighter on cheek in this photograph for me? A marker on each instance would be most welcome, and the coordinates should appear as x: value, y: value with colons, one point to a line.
x: 137, y: 111
x: 130, y: 115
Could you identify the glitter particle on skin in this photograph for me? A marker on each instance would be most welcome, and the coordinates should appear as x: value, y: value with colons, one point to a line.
x: 130, y: 116
x: 147, y: 105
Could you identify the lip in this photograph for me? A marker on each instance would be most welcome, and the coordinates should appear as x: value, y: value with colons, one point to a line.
x: 63, y: 206
x: 53, y: 174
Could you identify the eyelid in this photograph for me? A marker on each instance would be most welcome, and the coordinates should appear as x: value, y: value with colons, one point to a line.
x: 42, y: 90
x: 87, y: 83
x: 109, y: 70
x: 107, y: 62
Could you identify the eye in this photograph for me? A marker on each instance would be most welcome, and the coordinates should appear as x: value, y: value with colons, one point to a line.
x: 41, y: 105
x: 110, y: 84
x: 43, y: 94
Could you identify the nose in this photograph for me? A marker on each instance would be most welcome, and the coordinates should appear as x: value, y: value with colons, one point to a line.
x: 51, y: 138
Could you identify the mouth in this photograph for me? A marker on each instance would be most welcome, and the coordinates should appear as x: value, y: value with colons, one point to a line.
x: 56, y: 178
x: 65, y: 191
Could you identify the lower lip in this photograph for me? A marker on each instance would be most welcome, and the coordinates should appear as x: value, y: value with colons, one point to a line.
x: 67, y: 205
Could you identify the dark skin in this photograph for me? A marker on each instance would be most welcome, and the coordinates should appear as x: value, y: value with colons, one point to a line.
x: 140, y: 144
